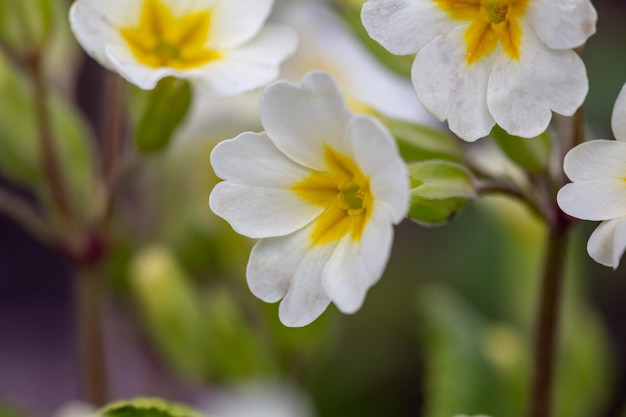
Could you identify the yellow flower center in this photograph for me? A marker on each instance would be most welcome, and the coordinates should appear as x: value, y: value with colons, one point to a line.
x: 491, y: 22
x: 164, y: 40
x: 344, y: 191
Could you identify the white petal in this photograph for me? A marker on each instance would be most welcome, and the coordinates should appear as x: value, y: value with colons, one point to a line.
x: 522, y: 94
x: 327, y: 43
x: 607, y: 243
x: 287, y: 267
x: 618, y: 120
x: 376, y: 153
x: 563, y: 24
x: 124, y: 62
x: 596, y: 159
x: 450, y: 89
x: 252, y: 159
x: 273, y: 263
x: 357, y: 265
x: 95, y: 24
x: 602, y: 199
x: 300, y: 120
x: 260, y: 212
x: 405, y: 26
x: 249, y: 66
x: 235, y: 22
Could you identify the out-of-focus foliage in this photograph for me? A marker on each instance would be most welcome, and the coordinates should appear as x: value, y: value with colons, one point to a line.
x: 532, y: 154
x: 421, y: 143
x: 20, y: 158
x: 148, y: 407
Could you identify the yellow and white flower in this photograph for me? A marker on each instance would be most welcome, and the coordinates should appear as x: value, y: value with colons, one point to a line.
x: 482, y: 62
x: 598, y: 191
x: 222, y: 45
x: 321, y: 188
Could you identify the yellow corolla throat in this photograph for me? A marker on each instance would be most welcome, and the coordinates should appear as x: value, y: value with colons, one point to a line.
x: 164, y: 40
x: 492, y: 22
x: 344, y: 191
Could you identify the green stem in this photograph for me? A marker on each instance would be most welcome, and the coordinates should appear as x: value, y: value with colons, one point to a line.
x: 48, y: 152
x: 547, y: 326
x: 24, y: 214
x: 571, y: 133
x: 89, y: 296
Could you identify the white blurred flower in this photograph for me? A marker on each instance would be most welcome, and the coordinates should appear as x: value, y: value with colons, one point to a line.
x: 598, y: 191
x: 482, y: 62
x: 222, y: 45
x: 322, y: 189
x: 327, y: 44
x: 259, y: 399
x: 76, y: 409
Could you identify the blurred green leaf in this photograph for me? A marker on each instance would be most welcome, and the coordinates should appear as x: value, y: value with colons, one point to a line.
x: 169, y: 307
x: 531, y: 154
x: 233, y: 350
x: 439, y: 189
x: 20, y: 145
x: 421, y: 143
x: 148, y: 407
x: 162, y: 111
x: 26, y: 25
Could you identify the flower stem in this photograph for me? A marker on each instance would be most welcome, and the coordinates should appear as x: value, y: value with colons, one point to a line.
x: 20, y: 211
x: 571, y: 133
x: 113, y: 135
x: 547, y: 325
x: 89, y: 296
x: 49, y: 157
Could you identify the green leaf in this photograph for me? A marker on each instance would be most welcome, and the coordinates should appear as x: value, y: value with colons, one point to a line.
x: 148, y: 407
x: 26, y: 25
x: 439, y: 189
x: 162, y: 111
x: 20, y: 159
x: 531, y: 154
x: 421, y: 143
x: 232, y: 349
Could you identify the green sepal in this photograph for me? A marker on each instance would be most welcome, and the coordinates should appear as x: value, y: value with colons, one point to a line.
x: 148, y: 407
x: 422, y: 143
x: 532, y: 154
x: 161, y: 111
x: 439, y: 190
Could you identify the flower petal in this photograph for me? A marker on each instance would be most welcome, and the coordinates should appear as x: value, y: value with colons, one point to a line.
x: 327, y: 43
x: 607, y: 243
x: 450, y: 89
x: 235, y: 22
x: 404, y: 27
x: 618, y: 119
x: 144, y: 77
x: 288, y: 267
x: 376, y: 153
x: 95, y: 23
x: 602, y: 199
x: 302, y: 119
x: 522, y: 94
x: 261, y: 212
x: 250, y: 66
x: 563, y: 24
x: 357, y: 265
x: 253, y: 159
x: 596, y: 159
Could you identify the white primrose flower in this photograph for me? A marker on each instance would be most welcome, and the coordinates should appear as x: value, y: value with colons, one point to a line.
x: 327, y: 44
x: 222, y: 45
x: 598, y: 191
x: 482, y: 62
x: 321, y: 188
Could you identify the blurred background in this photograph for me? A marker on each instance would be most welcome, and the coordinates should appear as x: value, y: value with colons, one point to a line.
x: 447, y: 330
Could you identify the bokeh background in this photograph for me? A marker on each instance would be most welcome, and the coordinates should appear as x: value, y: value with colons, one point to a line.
x: 447, y: 330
